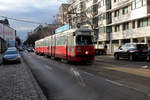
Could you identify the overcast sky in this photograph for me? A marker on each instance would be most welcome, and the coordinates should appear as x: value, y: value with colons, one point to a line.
x: 34, y: 10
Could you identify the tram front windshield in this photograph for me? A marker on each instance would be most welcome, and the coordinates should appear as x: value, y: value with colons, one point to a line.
x: 84, y: 40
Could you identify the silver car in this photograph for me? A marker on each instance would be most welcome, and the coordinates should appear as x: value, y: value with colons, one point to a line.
x: 11, y: 55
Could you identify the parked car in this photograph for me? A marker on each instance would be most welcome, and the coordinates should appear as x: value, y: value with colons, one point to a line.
x: 12, y: 48
x: 11, y: 56
x: 30, y: 49
x: 132, y: 51
x: 20, y: 49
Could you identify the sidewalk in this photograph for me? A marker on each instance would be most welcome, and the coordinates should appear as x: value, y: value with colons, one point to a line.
x: 18, y: 83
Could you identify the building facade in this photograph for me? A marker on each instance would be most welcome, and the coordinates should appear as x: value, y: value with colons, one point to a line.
x: 115, y: 22
x: 63, y: 14
x: 7, y: 37
x: 130, y: 22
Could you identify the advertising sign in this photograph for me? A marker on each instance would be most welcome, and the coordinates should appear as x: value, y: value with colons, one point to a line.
x: 9, y: 36
x: 62, y: 29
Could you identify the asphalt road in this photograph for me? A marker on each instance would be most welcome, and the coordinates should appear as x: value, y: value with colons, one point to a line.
x: 61, y: 81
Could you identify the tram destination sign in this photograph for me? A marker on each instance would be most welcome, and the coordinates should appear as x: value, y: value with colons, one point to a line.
x: 62, y: 29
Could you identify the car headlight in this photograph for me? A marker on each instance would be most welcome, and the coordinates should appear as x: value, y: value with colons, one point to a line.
x: 19, y: 56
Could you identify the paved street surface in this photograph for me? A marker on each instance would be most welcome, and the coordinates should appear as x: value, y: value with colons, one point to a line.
x: 0, y: 58
x: 18, y: 83
x: 106, y: 79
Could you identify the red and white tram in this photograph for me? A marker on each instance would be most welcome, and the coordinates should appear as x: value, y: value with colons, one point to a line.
x: 72, y: 45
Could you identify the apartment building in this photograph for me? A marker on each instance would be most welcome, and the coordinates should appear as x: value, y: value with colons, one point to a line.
x: 63, y: 14
x: 85, y: 13
x: 123, y: 21
x: 104, y: 18
x: 130, y: 22
x: 7, y: 37
x: 115, y: 22
x: 74, y: 11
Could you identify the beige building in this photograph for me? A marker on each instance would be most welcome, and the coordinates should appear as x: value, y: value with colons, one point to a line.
x: 130, y: 22
x: 123, y: 21
x: 63, y: 14
x: 115, y: 22
x: 84, y: 12
x: 75, y: 11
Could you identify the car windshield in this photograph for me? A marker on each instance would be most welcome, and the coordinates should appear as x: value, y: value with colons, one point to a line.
x: 30, y: 47
x: 84, y: 40
x: 11, y: 52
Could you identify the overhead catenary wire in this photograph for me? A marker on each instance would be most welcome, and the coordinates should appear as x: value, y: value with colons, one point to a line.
x: 22, y: 20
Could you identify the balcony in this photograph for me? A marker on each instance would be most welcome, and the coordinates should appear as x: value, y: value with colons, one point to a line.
x: 121, y: 3
x: 121, y: 18
x: 131, y: 33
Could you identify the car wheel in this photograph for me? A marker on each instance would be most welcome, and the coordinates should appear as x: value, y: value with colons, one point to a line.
x: 3, y: 61
x: 116, y: 57
x: 131, y: 57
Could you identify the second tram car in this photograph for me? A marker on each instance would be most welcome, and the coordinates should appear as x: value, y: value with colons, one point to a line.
x: 72, y: 45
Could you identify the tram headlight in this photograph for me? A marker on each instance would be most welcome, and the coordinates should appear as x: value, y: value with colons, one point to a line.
x: 86, y: 52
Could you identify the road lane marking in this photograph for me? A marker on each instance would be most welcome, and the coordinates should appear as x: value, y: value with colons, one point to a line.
x: 114, y: 82
x: 89, y: 73
x: 78, y: 76
x: 48, y: 67
x: 123, y: 85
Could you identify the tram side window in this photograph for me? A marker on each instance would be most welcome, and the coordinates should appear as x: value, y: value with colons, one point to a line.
x: 70, y: 41
x: 84, y: 40
x: 61, y: 41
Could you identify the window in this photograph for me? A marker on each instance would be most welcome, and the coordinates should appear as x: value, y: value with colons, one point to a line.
x: 138, y: 3
x: 61, y: 40
x: 145, y: 22
x: 108, y: 3
x: 109, y: 29
x: 101, y: 3
x: 125, y: 26
x: 83, y: 40
x: 125, y: 10
x: 143, y: 2
x: 102, y: 17
x: 117, y: 28
x: 133, y: 5
x: 133, y: 24
x: 140, y: 23
x: 116, y: 13
x: 148, y: 22
x: 102, y: 30
x: 123, y: 47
